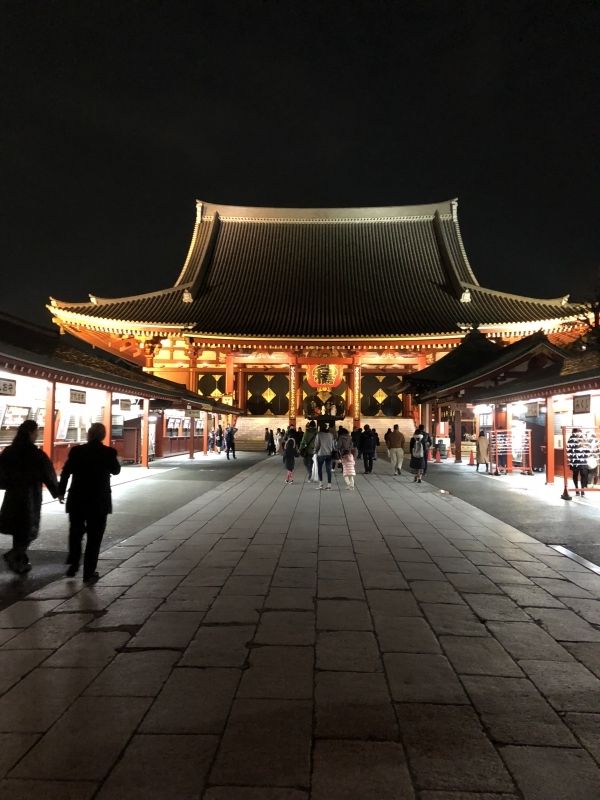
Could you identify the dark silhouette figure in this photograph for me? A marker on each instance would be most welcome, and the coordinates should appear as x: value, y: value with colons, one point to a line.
x: 230, y: 440
x: 23, y: 469
x: 89, y: 500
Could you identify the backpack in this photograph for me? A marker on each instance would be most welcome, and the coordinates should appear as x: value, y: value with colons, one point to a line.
x: 418, y: 448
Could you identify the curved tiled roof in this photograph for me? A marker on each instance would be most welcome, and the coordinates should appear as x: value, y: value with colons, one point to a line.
x: 317, y: 273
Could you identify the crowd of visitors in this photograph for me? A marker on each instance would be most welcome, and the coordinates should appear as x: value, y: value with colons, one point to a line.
x: 325, y: 449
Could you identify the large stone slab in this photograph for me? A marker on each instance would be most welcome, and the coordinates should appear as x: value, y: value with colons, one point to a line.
x: 266, y: 743
x: 134, y: 674
x: 348, y: 651
x: 85, y: 742
x: 365, y: 770
x: 279, y: 672
x: 528, y: 640
x: 156, y: 767
x: 417, y: 678
x: 515, y: 712
x: 549, y: 772
x: 193, y: 701
x: 448, y: 750
x: 219, y: 646
x: 354, y: 705
x: 568, y: 686
x: 470, y: 655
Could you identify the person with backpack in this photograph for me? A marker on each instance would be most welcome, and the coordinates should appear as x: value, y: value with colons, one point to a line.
x: 417, y: 456
x: 368, y: 445
x: 324, y: 444
x: 307, y: 447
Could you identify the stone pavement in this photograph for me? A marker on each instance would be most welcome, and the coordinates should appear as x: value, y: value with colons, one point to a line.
x: 274, y: 642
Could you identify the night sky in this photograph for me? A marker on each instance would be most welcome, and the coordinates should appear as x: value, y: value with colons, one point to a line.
x: 117, y: 115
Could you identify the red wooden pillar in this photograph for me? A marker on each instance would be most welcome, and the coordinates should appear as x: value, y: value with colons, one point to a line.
x: 48, y: 443
x: 457, y: 436
x: 356, y: 381
x: 292, y: 394
x: 107, y: 417
x: 146, y: 433
x: 229, y: 373
x: 550, y: 440
x: 191, y: 447
x: 205, y: 434
x: 241, y: 393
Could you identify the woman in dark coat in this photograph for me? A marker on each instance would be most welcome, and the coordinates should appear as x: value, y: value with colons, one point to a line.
x: 23, y: 469
x: 417, y: 456
x: 289, y: 456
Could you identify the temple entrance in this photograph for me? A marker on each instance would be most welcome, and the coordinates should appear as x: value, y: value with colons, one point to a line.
x: 324, y: 391
x: 324, y: 406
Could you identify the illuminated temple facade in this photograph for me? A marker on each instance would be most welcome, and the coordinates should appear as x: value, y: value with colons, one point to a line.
x: 295, y: 313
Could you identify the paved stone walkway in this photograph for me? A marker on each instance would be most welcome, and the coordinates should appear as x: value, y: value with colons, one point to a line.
x: 274, y: 642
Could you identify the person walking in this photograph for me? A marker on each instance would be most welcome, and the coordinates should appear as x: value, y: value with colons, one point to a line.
x: 230, y: 433
x: 427, y: 442
x: 344, y: 442
x: 289, y: 456
x: 396, y: 446
x: 271, y: 443
x: 417, y: 456
x: 356, y: 437
x: 482, y: 451
x: 89, y: 500
x: 579, y: 450
x: 368, y: 444
x: 324, y: 444
x: 267, y: 448
x: 307, y: 447
x: 348, y: 468
x: 386, y: 439
x: 23, y: 469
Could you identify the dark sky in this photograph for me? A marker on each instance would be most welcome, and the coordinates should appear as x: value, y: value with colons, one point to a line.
x: 118, y: 114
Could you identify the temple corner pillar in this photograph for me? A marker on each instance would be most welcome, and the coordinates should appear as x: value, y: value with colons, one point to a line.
x: 550, y: 439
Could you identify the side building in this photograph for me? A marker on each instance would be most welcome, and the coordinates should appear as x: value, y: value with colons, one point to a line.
x: 291, y: 314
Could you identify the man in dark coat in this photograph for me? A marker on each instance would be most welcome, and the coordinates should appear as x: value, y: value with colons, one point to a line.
x: 89, y: 500
x: 368, y: 445
x: 230, y: 440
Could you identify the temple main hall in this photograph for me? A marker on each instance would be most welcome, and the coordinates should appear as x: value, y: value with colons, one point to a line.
x: 297, y: 313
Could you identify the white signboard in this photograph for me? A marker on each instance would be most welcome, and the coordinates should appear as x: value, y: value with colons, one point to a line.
x: 581, y: 403
x: 8, y: 387
x: 77, y: 396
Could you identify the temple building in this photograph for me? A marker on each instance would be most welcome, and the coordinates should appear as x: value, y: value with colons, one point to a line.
x: 291, y: 314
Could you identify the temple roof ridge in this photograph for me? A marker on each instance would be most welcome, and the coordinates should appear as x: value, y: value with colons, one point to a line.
x: 320, y: 214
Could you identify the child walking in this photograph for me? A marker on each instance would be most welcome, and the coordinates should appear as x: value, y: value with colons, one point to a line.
x: 289, y: 456
x: 348, y: 469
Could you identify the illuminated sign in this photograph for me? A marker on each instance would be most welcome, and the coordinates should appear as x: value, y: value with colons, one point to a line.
x: 324, y: 376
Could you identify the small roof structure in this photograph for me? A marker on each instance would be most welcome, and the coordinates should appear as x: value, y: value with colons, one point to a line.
x: 41, y: 352
x: 351, y: 273
x: 477, y: 363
